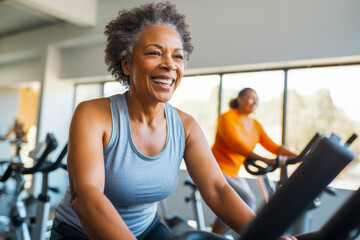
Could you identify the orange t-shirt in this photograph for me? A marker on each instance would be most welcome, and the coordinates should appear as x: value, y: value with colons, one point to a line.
x: 233, y: 142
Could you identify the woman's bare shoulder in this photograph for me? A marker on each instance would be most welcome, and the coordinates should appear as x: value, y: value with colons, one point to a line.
x: 189, y: 123
x: 186, y: 118
x: 93, y: 111
x: 97, y: 104
x: 94, y: 106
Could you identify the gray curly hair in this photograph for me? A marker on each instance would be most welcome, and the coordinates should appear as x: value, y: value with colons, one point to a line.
x: 124, y: 31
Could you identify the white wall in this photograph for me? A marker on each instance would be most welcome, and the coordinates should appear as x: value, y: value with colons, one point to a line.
x: 230, y: 32
x: 74, y: 65
x: 235, y: 32
x: 28, y: 70
x: 56, y: 101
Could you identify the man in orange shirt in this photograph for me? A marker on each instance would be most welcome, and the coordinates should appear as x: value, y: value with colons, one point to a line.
x: 236, y: 137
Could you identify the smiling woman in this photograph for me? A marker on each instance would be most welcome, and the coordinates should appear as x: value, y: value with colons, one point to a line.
x: 124, y: 151
x: 157, y: 64
x: 236, y: 137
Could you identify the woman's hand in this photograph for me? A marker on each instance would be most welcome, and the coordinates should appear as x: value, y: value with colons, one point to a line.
x: 288, y: 238
x: 269, y: 162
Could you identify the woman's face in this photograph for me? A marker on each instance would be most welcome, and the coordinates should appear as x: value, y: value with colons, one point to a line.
x: 157, y: 64
x: 249, y: 102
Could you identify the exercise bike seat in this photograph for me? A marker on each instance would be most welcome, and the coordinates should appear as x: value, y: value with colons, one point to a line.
x: 198, y: 235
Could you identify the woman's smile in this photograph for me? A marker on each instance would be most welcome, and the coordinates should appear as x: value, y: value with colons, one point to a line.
x: 157, y: 65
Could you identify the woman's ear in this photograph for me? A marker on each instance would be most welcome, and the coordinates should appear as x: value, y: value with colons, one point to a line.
x: 238, y: 100
x: 125, y: 65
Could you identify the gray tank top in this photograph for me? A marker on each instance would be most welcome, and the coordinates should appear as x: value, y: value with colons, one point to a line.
x: 134, y: 183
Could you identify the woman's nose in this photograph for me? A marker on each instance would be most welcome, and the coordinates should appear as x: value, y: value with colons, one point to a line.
x: 168, y: 63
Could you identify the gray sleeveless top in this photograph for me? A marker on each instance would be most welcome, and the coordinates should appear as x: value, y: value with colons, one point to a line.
x: 134, y: 183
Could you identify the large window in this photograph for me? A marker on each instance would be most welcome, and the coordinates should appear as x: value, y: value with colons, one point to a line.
x: 87, y: 91
x: 198, y: 96
x: 112, y: 88
x: 325, y: 100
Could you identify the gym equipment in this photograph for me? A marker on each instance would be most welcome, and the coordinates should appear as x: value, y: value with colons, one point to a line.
x: 18, y: 226
x: 268, y: 187
x: 196, y: 200
x: 252, y: 167
x: 343, y: 225
x: 18, y: 144
x: 43, y: 207
x: 177, y: 223
x: 327, y: 157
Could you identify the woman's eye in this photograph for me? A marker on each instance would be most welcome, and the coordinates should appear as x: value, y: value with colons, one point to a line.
x: 179, y: 57
x: 155, y: 53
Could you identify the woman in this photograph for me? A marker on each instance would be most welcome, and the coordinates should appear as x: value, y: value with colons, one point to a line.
x: 17, y: 135
x: 18, y: 130
x: 125, y: 151
x: 235, y: 139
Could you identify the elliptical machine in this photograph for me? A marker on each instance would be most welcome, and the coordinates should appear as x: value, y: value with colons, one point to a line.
x: 268, y: 187
x: 179, y: 224
x: 19, y: 226
x: 329, y: 159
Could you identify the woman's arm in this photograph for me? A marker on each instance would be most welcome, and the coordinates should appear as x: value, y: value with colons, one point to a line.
x: 11, y: 130
x: 283, y: 151
x: 90, y: 131
x: 271, y: 146
x: 206, y: 174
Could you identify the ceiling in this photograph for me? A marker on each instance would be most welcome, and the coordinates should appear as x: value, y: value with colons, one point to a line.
x: 14, y: 20
x: 18, y: 16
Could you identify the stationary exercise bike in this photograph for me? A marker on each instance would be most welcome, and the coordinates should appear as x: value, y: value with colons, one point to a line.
x: 343, y: 225
x: 325, y: 156
x: 268, y: 187
x: 179, y: 224
x: 19, y: 225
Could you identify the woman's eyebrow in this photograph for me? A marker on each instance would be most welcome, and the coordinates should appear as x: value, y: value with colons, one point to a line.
x: 160, y: 46
x: 154, y: 44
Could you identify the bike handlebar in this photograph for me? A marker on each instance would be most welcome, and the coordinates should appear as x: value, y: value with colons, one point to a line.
x: 8, y: 172
x: 51, y: 145
x: 351, y: 139
x: 51, y: 166
x: 250, y: 164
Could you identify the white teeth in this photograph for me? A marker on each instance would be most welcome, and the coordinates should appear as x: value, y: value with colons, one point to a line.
x: 164, y: 81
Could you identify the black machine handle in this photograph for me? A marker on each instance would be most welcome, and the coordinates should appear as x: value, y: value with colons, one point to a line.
x: 52, y: 166
x: 315, y: 139
x: 64, y: 166
x: 8, y: 172
x: 251, y: 164
x: 51, y: 145
x: 351, y: 139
